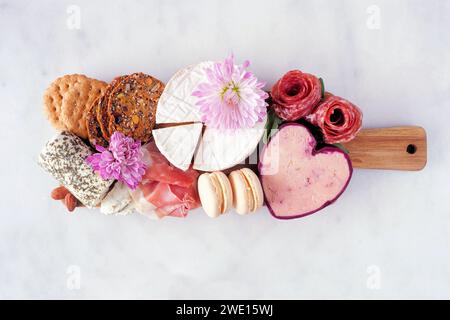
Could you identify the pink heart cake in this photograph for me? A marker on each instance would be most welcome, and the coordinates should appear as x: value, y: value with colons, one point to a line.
x: 297, y: 179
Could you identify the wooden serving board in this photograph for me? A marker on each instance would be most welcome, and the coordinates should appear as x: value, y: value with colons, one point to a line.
x: 396, y: 148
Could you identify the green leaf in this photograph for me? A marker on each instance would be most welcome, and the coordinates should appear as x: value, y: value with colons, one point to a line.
x: 268, y: 125
x: 273, y: 122
x: 323, y: 87
x: 340, y: 146
x: 276, y: 123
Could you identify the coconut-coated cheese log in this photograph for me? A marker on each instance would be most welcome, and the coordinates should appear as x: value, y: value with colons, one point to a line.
x: 64, y: 157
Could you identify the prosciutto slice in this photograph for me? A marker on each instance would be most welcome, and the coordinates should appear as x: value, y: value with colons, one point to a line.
x: 165, y: 190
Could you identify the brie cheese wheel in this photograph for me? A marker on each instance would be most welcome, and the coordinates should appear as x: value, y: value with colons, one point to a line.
x: 176, y: 103
x: 216, y: 149
x: 220, y: 150
x: 178, y: 143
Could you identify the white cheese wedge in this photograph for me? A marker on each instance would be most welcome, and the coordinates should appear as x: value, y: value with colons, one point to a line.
x: 176, y: 103
x: 117, y: 201
x: 220, y: 150
x: 178, y: 143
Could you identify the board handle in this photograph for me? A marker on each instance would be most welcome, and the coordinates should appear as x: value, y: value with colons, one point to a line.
x: 395, y: 148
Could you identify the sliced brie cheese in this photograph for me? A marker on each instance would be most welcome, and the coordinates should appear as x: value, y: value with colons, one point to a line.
x: 176, y: 103
x: 219, y: 150
x: 117, y: 200
x: 178, y: 143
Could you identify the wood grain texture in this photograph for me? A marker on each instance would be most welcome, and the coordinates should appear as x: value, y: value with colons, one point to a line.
x: 396, y: 148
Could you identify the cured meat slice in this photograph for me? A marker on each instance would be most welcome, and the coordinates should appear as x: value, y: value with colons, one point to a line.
x: 295, y: 95
x: 165, y: 190
x: 178, y: 143
x: 339, y: 119
x: 297, y: 179
x: 159, y: 169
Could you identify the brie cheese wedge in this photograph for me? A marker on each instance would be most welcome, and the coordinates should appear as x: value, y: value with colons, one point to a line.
x: 178, y: 143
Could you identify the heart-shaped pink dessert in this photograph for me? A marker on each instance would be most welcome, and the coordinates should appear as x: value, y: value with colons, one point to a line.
x: 297, y: 179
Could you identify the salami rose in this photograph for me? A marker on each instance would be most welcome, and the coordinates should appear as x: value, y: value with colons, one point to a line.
x: 339, y: 119
x: 295, y: 95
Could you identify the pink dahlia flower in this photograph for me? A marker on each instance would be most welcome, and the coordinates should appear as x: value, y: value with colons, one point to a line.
x: 232, y: 98
x: 122, y: 160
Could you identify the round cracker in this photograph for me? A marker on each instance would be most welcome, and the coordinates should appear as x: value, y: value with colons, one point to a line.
x: 102, y: 110
x: 93, y: 127
x: 132, y: 106
x: 79, y: 94
x: 67, y: 100
x: 53, y: 101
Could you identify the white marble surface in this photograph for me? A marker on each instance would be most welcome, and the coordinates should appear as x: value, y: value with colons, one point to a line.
x: 387, y: 237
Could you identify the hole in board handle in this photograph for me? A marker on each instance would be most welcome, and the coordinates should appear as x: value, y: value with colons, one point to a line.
x: 411, y: 149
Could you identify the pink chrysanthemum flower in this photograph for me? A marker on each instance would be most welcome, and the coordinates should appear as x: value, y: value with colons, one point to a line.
x: 122, y: 160
x: 232, y: 98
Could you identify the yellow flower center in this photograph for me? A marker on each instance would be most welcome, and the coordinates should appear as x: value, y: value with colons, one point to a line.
x: 230, y: 94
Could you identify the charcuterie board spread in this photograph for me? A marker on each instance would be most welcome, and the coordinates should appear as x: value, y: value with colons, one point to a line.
x: 212, y: 137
